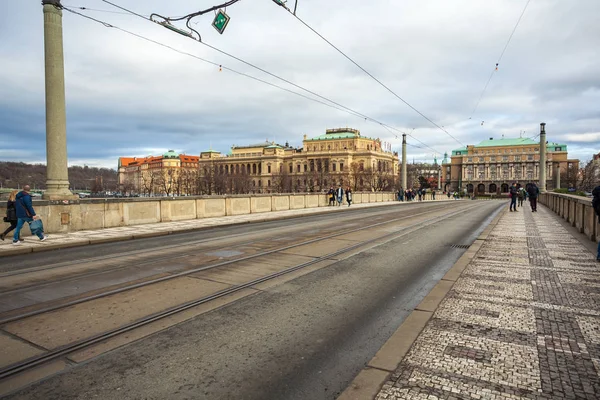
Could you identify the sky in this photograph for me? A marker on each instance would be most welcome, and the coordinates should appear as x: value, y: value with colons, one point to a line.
x: 127, y: 96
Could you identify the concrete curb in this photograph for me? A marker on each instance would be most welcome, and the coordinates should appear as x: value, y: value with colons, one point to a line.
x: 367, y: 384
x: 77, y: 242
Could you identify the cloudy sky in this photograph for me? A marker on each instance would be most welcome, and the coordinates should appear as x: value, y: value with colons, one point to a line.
x: 129, y: 97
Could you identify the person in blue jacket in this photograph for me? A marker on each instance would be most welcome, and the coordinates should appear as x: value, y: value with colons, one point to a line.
x: 25, y: 213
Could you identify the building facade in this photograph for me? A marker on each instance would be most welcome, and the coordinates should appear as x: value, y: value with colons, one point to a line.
x: 491, y: 166
x: 338, y: 157
x: 168, y: 174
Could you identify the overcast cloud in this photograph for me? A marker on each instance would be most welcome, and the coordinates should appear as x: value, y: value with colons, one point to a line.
x: 129, y: 97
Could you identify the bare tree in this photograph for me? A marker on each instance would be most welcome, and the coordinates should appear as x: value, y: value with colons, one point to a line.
x: 589, y: 176
x: 282, y: 182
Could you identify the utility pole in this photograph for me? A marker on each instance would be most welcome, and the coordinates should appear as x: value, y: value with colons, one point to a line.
x: 57, y: 173
x: 404, y: 161
x: 543, y: 157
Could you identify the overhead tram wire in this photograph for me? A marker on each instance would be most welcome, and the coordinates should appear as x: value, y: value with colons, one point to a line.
x: 499, y: 59
x: 354, y: 112
x: 373, y: 77
x: 108, y: 25
x: 351, y: 111
x: 417, y: 140
x: 336, y: 106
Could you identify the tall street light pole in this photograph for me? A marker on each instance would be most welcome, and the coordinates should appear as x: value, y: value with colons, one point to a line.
x: 57, y: 174
x: 404, y: 161
x: 542, y: 167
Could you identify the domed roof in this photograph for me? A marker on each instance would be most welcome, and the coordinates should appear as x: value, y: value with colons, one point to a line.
x: 171, y: 154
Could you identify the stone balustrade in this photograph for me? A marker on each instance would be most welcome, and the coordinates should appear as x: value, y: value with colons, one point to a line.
x: 87, y: 214
x: 576, y: 210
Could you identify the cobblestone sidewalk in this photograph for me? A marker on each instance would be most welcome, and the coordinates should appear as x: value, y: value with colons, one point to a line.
x: 522, y: 322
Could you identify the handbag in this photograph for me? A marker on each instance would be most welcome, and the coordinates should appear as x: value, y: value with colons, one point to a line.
x: 36, y: 226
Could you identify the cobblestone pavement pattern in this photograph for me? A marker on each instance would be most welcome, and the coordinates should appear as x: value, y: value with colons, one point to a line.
x: 522, y: 322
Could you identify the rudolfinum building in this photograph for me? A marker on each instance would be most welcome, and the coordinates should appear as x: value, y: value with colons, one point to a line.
x: 339, y: 157
x: 491, y: 166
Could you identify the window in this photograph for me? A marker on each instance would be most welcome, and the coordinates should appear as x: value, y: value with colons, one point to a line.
x: 530, y: 158
x: 291, y: 168
x: 341, y: 166
x: 298, y: 168
x: 268, y: 169
x: 557, y: 149
x: 269, y: 182
x: 481, y: 159
x: 458, y: 153
x: 470, y: 159
x: 334, y: 167
x: 305, y: 167
x: 493, y: 159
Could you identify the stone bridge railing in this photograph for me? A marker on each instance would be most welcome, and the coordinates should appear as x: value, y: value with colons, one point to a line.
x: 85, y: 214
x: 576, y: 210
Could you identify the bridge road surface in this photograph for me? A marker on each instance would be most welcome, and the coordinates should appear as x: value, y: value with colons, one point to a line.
x: 306, y: 338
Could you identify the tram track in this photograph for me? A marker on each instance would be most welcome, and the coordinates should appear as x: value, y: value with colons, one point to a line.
x: 13, y: 315
x: 133, y: 253
x: 67, y: 349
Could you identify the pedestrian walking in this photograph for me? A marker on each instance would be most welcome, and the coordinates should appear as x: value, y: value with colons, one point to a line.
x: 400, y: 194
x: 349, y: 195
x: 339, y: 193
x: 433, y: 194
x: 11, y: 214
x: 25, y: 214
x: 331, y: 194
x: 448, y: 194
x: 420, y: 194
x: 596, y: 205
x: 533, y: 191
x: 521, y: 196
x: 513, y: 193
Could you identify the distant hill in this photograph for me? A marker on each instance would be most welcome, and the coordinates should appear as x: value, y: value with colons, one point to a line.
x: 17, y: 174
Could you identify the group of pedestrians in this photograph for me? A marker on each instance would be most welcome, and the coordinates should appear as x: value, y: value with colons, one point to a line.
x: 337, y: 195
x: 19, y: 210
x: 518, y: 195
x: 411, y: 194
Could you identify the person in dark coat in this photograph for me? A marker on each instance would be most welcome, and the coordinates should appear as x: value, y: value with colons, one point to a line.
x: 349, y: 195
x: 11, y: 214
x: 514, y: 193
x: 331, y: 195
x: 533, y: 191
x: 25, y: 214
x: 596, y: 205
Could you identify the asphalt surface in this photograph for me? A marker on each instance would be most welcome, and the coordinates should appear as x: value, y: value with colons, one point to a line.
x: 305, y: 339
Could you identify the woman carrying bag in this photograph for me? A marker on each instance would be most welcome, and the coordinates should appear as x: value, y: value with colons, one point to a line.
x: 11, y: 214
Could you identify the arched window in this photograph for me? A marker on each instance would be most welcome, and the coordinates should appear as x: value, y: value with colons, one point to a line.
x: 481, y: 188
x: 254, y: 169
x: 493, y: 188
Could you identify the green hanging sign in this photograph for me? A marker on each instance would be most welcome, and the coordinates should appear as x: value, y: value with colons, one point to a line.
x: 220, y: 22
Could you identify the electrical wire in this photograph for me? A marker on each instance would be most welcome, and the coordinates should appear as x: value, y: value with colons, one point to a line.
x: 499, y: 59
x: 107, y: 25
x: 342, y: 108
x: 351, y: 111
x: 373, y: 77
x: 95, y: 9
